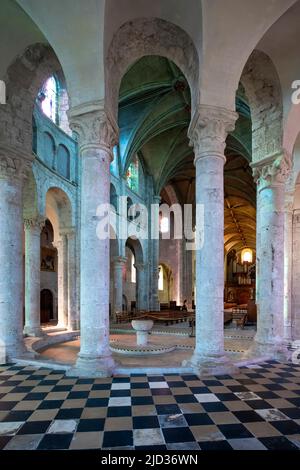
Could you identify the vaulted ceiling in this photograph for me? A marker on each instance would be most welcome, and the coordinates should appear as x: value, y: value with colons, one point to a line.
x: 154, y: 115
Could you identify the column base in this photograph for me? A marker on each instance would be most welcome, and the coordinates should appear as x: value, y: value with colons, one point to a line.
x: 35, y: 332
x: 61, y: 326
x: 93, y: 367
x: 74, y: 326
x: 272, y: 350
x: 12, y: 353
x: 204, y: 365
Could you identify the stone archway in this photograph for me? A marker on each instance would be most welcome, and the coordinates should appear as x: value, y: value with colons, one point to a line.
x: 148, y: 36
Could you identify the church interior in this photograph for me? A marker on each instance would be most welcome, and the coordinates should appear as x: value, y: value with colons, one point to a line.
x: 149, y: 225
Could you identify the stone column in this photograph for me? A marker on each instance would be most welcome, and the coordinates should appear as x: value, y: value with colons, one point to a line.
x: 270, y: 175
x: 288, y: 263
x: 97, y: 134
x: 119, y: 263
x: 13, y: 169
x: 33, y: 229
x: 141, y: 287
x: 70, y: 270
x: 62, y: 279
x: 154, y: 300
x: 208, y: 132
x: 296, y: 276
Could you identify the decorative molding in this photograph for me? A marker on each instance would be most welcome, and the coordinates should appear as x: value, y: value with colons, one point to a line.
x: 94, y: 126
x: 209, y: 128
x: 272, y: 170
x: 14, y: 163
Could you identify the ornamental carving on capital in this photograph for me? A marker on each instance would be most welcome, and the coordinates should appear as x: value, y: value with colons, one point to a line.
x: 95, y: 129
x: 272, y: 170
x: 34, y: 223
x: 13, y: 165
x: 209, y: 129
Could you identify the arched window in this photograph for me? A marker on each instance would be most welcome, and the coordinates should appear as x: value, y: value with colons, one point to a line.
x: 247, y: 255
x: 130, y: 265
x: 49, y: 149
x: 160, y: 278
x: 63, y: 161
x: 48, y: 98
x: 132, y: 175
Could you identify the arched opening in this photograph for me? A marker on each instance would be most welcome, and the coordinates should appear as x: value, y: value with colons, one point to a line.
x: 134, y: 287
x: 63, y: 161
x: 53, y: 101
x: 49, y: 150
x: 47, y: 307
x: 49, y: 275
x: 165, y: 285
x: 48, y: 98
x: 60, y: 214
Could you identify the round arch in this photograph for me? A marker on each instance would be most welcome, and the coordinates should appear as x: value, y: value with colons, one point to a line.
x: 35, y: 64
x: 135, y: 246
x: 262, y: 87
x: 58, y: 210
x: 135, y: 39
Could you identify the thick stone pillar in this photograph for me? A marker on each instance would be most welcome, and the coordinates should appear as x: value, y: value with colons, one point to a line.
x: 288, y: 266
x: 96, y: 137
x: 207, y: 133
x: 119, y: 263
x: 13, y: 168
x: 154, y: 298
x: 62, y: 279
x: 270, y: 175
x: 33, y: 229
x: 141, y: 287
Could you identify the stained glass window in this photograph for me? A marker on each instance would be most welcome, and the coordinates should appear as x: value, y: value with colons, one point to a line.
x: 132, y: 175
x: 48, y: 98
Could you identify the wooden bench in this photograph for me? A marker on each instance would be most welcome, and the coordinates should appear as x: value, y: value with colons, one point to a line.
x: 167, y: 317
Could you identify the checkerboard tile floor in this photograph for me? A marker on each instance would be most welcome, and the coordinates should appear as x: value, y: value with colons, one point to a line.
x: 257, y: 409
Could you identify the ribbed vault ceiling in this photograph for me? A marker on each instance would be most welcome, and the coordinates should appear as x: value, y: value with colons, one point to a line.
x: 154, y: 115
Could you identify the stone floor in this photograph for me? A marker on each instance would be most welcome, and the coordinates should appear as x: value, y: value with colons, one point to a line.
x: 236, y: 344
x: 41, y: 408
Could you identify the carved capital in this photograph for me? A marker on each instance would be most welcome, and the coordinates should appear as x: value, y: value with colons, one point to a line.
x: 69, y: 232
x: 14, y: 164
x: 34, y: 223
x: 209, y: 129
x: 94, y: 126
x: 119, y: 261
x: 156, y: 199
x: 273, y: 170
